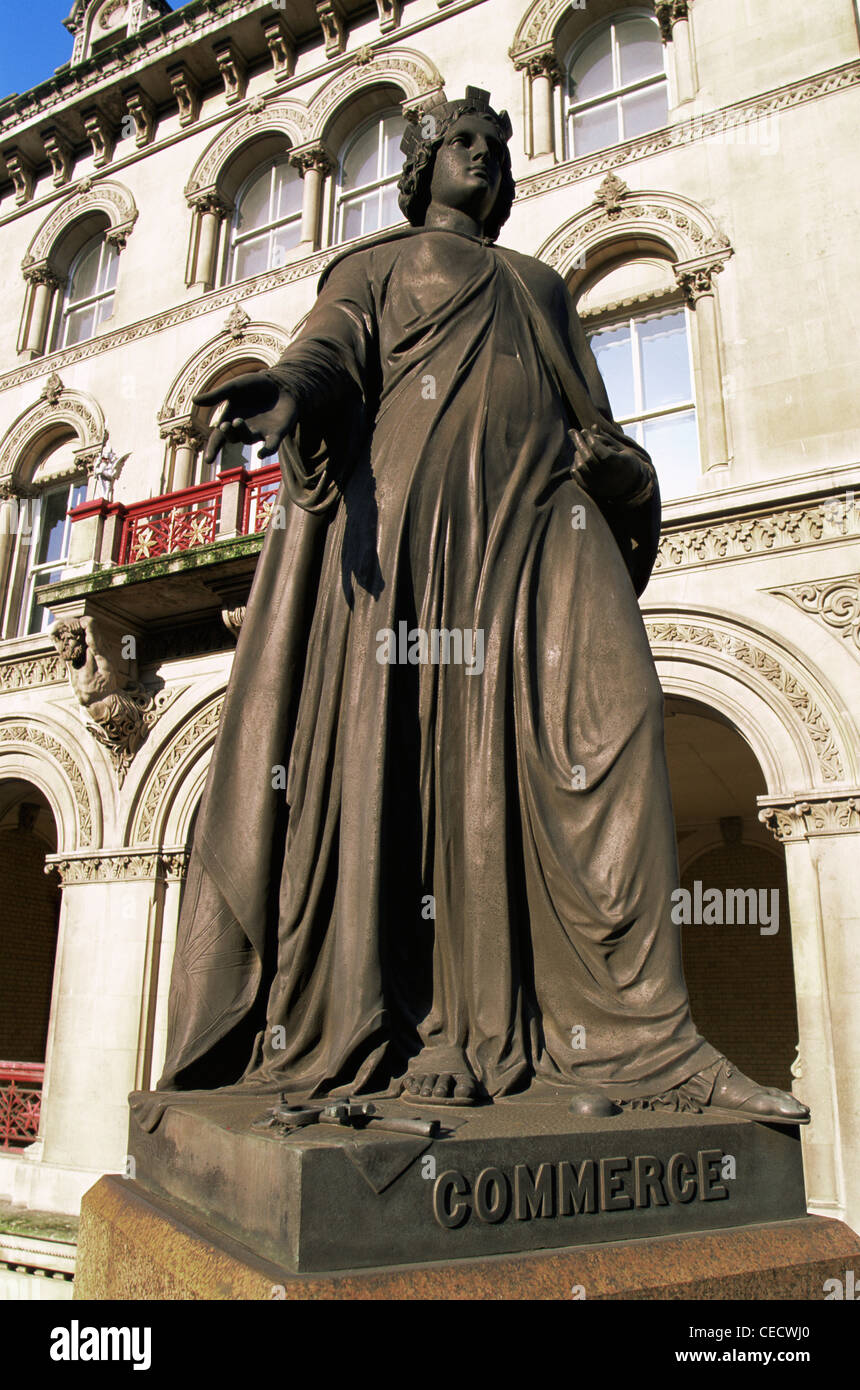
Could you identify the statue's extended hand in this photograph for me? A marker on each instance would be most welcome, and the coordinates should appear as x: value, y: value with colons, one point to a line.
x: 606, y: 466
x: 254, y: 408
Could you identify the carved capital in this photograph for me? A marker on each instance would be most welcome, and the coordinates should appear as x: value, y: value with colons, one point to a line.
x: 41, y: 274
x: 697, y: 280
x: 312, y: 157
x: 668, y: 13
x: 184, y: 435
x: 802, y: 820
x: 209, y: 200
x: 541, y: 62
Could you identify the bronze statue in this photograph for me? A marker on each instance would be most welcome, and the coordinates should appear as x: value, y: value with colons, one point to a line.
x: 416, y: 871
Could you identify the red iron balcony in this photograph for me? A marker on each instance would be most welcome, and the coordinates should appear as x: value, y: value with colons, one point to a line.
x: 20, y: 1102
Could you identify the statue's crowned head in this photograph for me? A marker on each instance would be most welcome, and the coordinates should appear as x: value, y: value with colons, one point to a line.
x: 422, y: 141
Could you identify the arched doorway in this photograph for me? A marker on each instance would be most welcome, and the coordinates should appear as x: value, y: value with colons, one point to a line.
x: 737, y: 945
x: 29, y: 916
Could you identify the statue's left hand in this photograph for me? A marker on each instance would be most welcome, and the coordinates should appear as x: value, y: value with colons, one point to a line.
x: 254, y: 408
x: 606, y: 465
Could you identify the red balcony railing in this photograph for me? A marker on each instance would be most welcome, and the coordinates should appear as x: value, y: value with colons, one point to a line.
x: 20, y: 1102
x: 236, y: 503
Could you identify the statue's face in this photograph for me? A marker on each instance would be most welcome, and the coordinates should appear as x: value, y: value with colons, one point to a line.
x: 467, y: 171
x: 71, y: 646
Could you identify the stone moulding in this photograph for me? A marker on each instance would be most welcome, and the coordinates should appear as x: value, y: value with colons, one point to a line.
x: 112, y: 866
x: 36, y: 737
x: 787, y: 528
x: 29, y: 671
x: 796, y: 818
x: 714, y: 123
x: 834, y: 602
x: 189, y: 742
x: 678, y: 633
x: 102, y: 195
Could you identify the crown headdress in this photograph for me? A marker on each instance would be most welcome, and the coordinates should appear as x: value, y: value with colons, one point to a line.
x: 434, y: 120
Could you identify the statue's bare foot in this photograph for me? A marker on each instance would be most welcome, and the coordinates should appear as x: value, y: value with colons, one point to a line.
x: 734, y: 1091
x: 444, y: 1088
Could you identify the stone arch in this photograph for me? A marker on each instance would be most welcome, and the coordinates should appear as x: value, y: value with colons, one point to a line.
x: 785, y: 710
x: 39, y: 752
x: 405, y: 69
x: 261, y: 341
x: 169, y: 790
x: 220, y: 167
x: 37, y: 427
x: 649, y: 219
x: 54, y: 244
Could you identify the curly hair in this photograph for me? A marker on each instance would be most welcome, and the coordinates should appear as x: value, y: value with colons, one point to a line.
x: 414, y: 183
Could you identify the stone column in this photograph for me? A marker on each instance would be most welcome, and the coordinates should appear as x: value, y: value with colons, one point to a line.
x: 43, y: 284
x: 821, y: 834
x: 185, y: 441
x: 210, y: 211
x: 696, y: 279
x: 314, y: 164
x: 674, y: 20
x: 544, y: 72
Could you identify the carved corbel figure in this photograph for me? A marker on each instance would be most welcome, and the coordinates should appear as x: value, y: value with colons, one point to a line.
x: 103, y: 683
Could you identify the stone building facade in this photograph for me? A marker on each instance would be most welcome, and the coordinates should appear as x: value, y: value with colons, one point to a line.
x: 167, y: 202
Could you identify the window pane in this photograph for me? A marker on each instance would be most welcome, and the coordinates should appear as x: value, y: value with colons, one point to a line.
x: 392, y: 134
x: 644, y: 111
x: 641, y: 50
x: 52, y: 526
x: 614, y: 353
x: 595, y: 129
x: 79, y: 495
x: 255, y: 205
x: 84, y: 279
x: 673, y: 445
x: 252, y: 257
x: 103, y: 310
x: 39, y: 618
x: 80, y: 325
x: 591, y: 74
x: 285, y: 239
x: 361, y: 164
x: 353, y: 222
x: 665, y: 360
x: 390, y: 209
x: 288, y: 192
x: 110, y: 263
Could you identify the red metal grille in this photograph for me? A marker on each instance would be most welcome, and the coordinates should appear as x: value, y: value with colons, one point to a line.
x: 20, y: 1102
x: 260, y: 497
x: 166, y: 529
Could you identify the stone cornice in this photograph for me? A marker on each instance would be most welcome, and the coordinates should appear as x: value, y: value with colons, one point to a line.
x: 808, y: 817
x: 111, y: 866
x: 712, y: 123
x: 765, y: 531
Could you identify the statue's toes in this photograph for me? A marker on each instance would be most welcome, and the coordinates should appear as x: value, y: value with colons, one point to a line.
x: 465, y: 1089
x: 412, y: 1085
x: 444, y: 1085
x: 428, y: 1086
x: 772, y: 1104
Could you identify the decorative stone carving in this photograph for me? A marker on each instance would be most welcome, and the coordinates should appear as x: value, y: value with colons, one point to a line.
x: 32, y: 671
x: 100, y: 134
x: 118, y: 866
x: 802, y: 820
x: 106, y: 469
x: 766, y: 666
x: 89, y: 195
x: 696, y: 281
x: 610, y: 194
x: 266, y: 341
x: 288, y: 117
x: 198, y: 733
x: 835, y: 602
x: 60, y: 155
x: 237, y: 322
x: 668, y: 13
x: 389, y: 14
x: 186, y: 89
x: 80, y: 412
x: 42, y: 275
x: 121, y: 709
x: 21, y: 173
x: 312, y: 157
x: 830, y: 519
x: 233, y: 619
x: 282, y: 46
x: 37, y: 738
x: 142, y: 112
x: 332, y: 25
x: 233, y: 69
x: 541, y: 63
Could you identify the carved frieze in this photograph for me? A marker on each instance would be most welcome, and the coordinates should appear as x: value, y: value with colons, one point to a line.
x: 832, y: 519
x: 806, y: 819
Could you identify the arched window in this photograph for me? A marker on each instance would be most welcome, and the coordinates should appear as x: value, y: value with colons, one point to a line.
x: 267, y: 223
x: 616, y: 85
x: 89, y: 295
x: 638, y: 328
x: 368, y: 169
x: 44, y: 543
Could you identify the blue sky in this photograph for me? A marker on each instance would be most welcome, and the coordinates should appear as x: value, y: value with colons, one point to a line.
x: 34, y: 42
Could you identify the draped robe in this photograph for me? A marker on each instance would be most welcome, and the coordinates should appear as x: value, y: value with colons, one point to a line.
x: 464, y: 869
